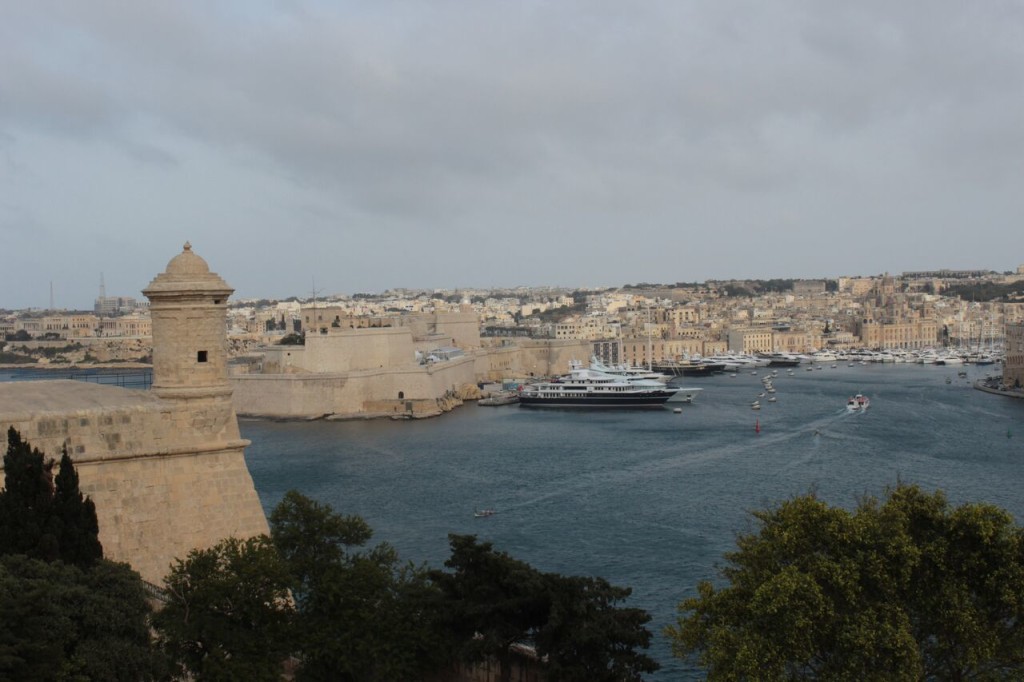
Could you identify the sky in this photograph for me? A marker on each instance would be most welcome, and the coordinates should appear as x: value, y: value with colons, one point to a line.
x: 352, y: 147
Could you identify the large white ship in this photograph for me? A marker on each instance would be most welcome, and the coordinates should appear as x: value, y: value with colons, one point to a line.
x: 587, y: 387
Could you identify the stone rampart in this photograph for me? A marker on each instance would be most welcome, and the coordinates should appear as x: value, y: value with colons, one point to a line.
x: 351, y: 394
x: 166, y: 476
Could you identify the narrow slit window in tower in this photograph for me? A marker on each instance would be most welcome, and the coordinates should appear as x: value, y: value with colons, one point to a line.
x: 202, y: 356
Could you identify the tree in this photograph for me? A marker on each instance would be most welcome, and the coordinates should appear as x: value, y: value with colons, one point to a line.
x: 43, y: 517
x: 361, y: 615
x: 26, y: 524
x: 64, y: 623
x: 909, y: 586
x: 79, y: 529
x: 588, y: 638
x: 228, y: 613
x: 310, y: 536
x: 494, y: 601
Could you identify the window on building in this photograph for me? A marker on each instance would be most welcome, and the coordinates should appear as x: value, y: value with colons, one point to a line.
x: 201, y: 356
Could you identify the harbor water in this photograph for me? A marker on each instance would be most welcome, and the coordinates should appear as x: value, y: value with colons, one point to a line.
x: 651, y: 499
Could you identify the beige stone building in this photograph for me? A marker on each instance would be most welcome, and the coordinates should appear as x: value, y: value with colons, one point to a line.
x: 906, y: 334
x: 165, y: 467
x: 751, y: 340
x: 1013, y: 366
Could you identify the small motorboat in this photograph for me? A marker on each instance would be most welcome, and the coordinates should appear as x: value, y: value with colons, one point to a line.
x: 858, y: 403
x: 481, y: 513
x: 756, y: 405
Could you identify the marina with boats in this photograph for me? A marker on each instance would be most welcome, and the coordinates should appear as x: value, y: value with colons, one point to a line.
x: 621, y: 386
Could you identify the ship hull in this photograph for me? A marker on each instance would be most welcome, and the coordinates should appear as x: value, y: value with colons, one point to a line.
x: 645, y: 401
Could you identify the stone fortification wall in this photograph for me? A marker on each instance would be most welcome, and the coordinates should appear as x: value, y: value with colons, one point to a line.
x: 358, y: 349
x: 350, y: 394
x: 543, y: 357
x: 166, y: 476
x: 499, y: 363
x: 461, y: 329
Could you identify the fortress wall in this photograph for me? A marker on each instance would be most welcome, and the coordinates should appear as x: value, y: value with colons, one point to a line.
x: 356, y: 349
x: 292, y: 396
x: 461, y: 329
x: 161, y: 484
x: 499, y: 363
x: 549, y: 357
x: 166, y: 467
x: 101, y: 422
x: 352, y: 394
x: 155, y: 509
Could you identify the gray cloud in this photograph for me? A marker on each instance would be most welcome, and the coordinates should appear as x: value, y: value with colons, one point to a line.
x: 482, y: 129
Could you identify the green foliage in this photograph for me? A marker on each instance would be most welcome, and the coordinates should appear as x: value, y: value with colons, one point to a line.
x: 559, y: 313
x: 908, y: 586
x: 79, y: 529
x: 62, y: 623
x: 986, y: 291
x: 311, y: 536
x: 362, y: 616
x: 11, y: 358
x: 41, y: 517
x: 495, y: 602
x: 228, y: 613
x: 588, y: 638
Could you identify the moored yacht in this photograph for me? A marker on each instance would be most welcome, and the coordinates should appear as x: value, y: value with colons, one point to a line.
x: 782, y: 359
x: 627, y: 372
x: 588, y: 387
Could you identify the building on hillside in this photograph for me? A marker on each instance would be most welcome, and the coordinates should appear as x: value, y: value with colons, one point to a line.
x: 751, y: 340
x: 912, y: 333
x: 115, y: 305
x: 608, y: 351
x: 1013, y: 365
x: 856, y: 286
x: 134, y: 325
x: 165, y: 467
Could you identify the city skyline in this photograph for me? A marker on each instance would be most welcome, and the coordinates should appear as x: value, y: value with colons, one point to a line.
x: 484, y: 145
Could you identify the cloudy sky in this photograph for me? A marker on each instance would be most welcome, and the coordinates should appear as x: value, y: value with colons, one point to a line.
x: 472, y: 143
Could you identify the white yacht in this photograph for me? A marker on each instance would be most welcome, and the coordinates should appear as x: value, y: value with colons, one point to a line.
x: 627, y: 372
x: 588, y: 387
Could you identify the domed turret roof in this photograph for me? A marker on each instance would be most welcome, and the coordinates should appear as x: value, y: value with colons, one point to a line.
x: 187, y: 273
x: 187, y: 263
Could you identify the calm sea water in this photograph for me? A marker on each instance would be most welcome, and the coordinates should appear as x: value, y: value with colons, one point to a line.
x: 650, y: 499
x: 647, y: 499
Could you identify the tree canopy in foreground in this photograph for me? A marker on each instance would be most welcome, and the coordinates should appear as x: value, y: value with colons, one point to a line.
x: 45, y: 516
x: 910, y: 586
